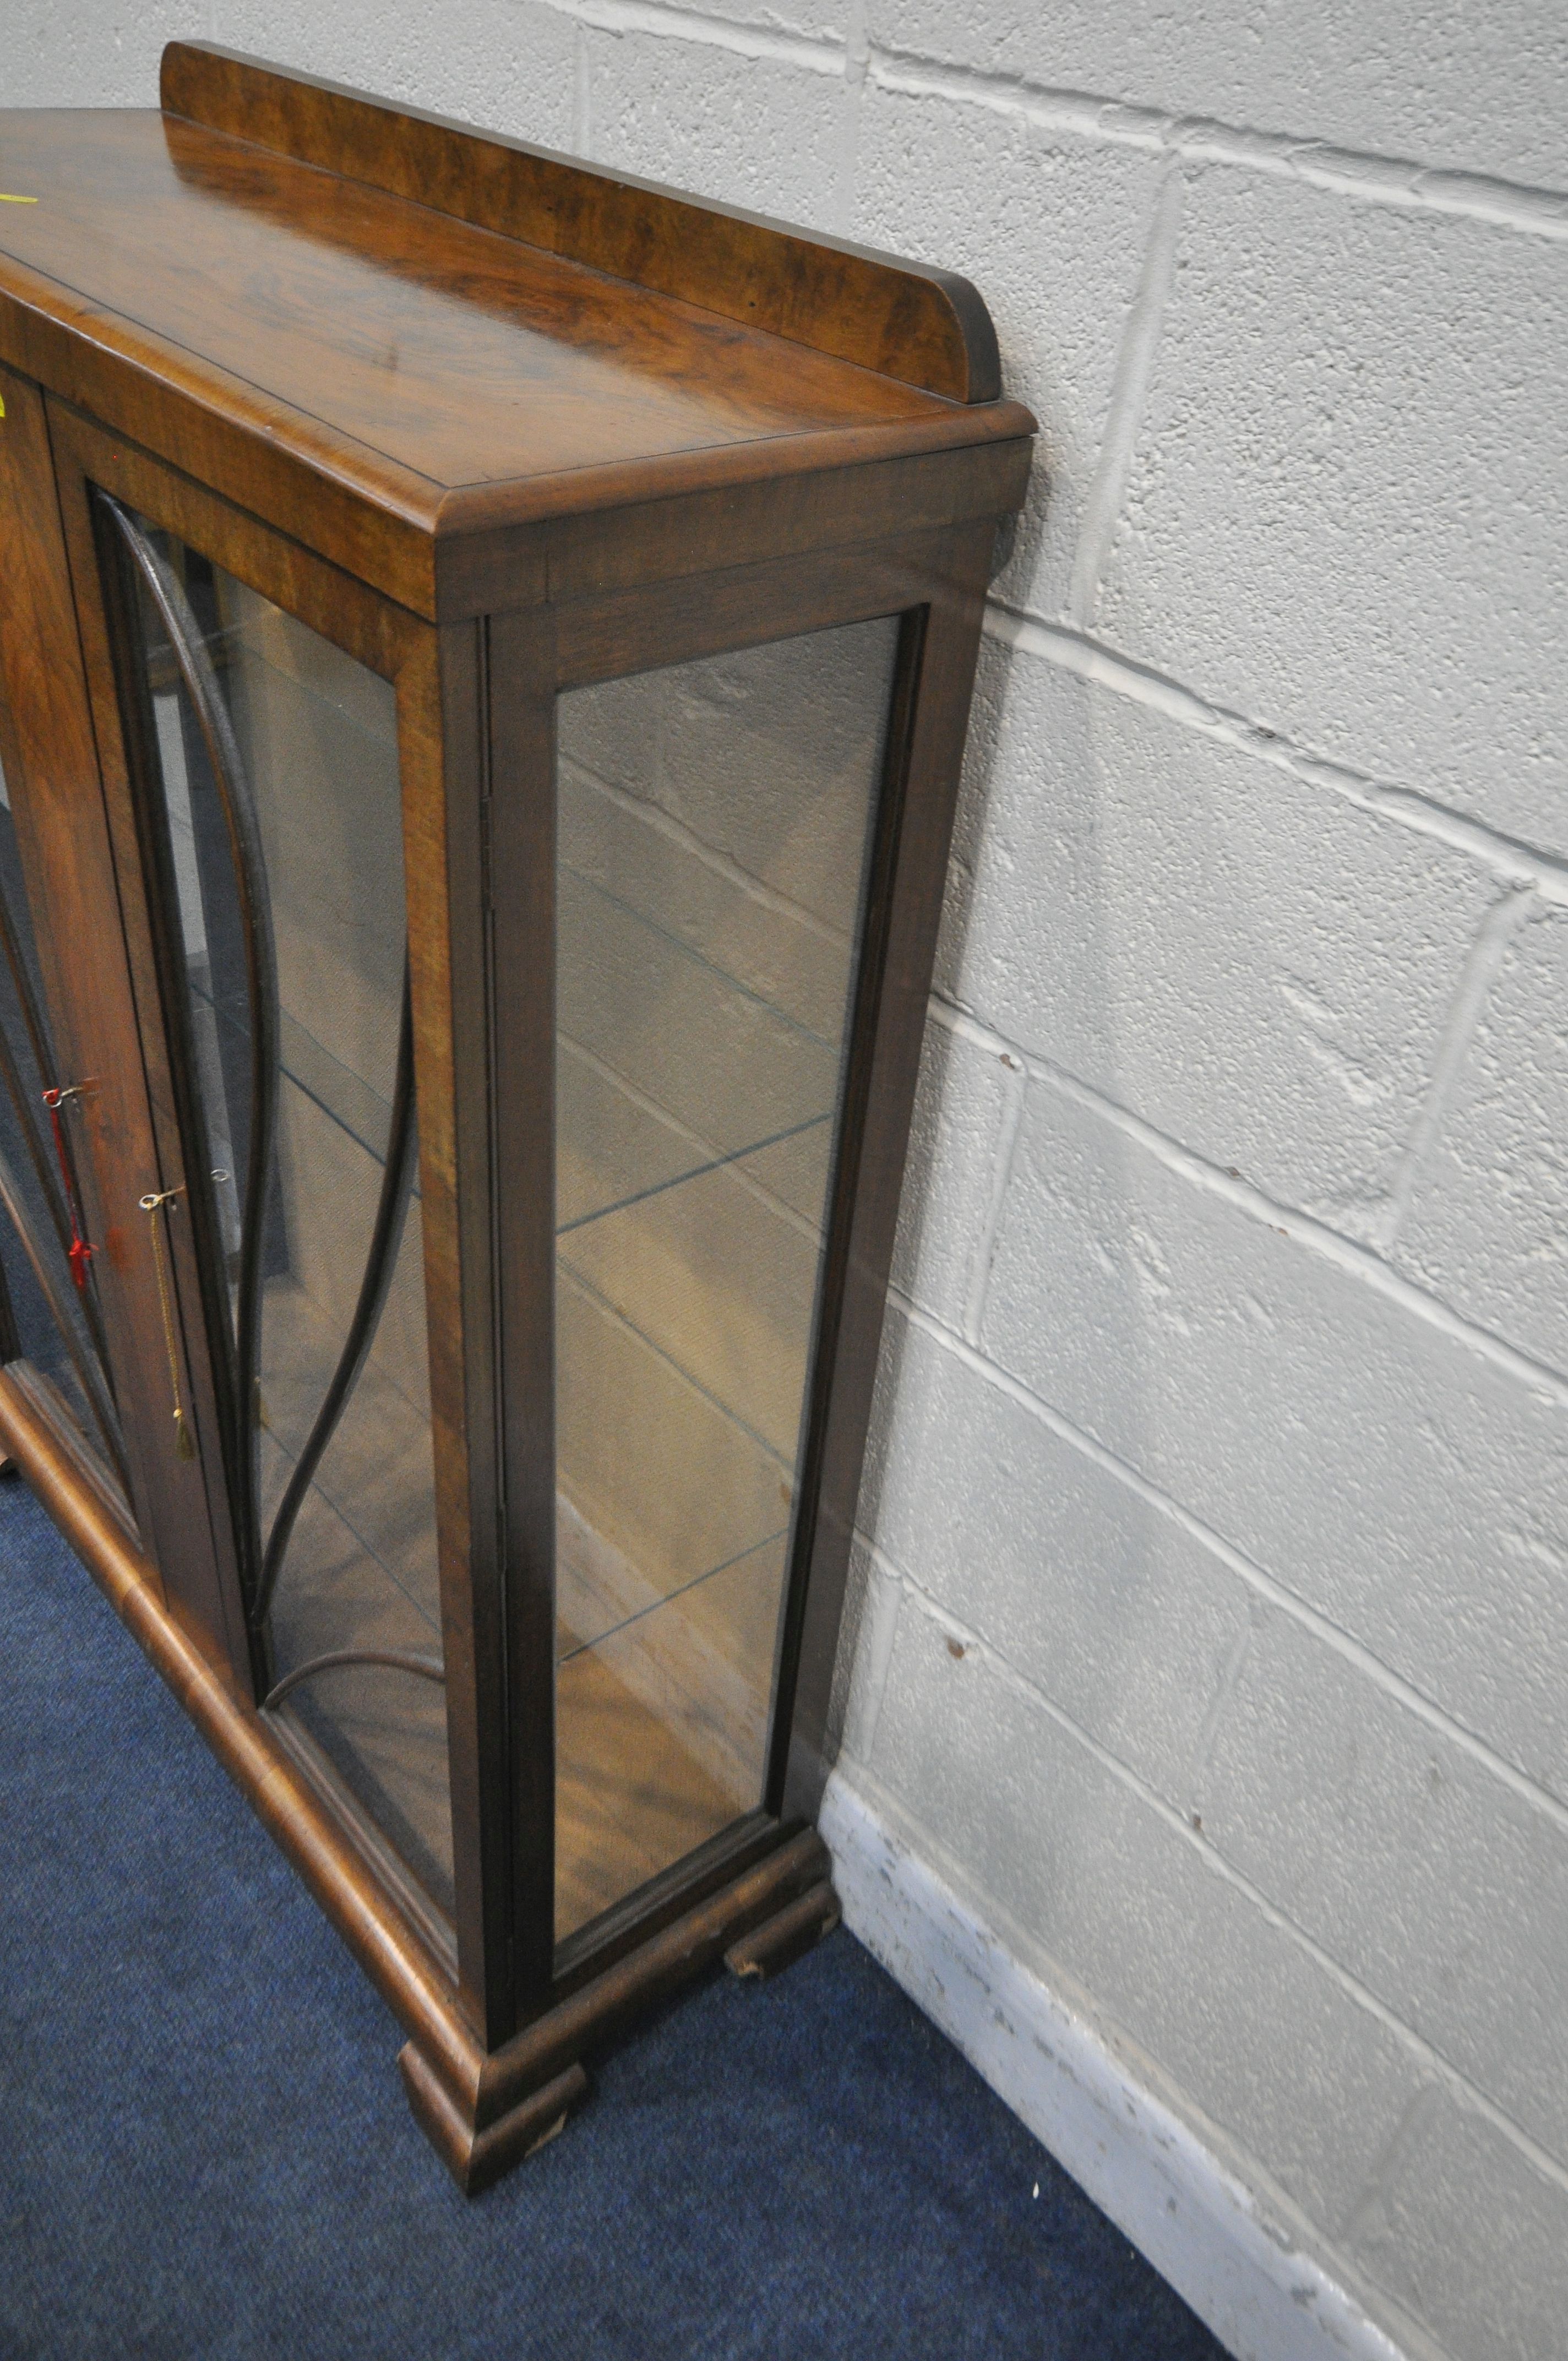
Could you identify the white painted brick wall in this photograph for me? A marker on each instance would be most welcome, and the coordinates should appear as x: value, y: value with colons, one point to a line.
x: 1371, y: 1830
x: 1210, y: 1622
x: 1060, y: 304
x: 1495, y: 2272
x: 1404, y: 1477
x: 1265, y: 2038
x: 1118, y: 1615
x: 1488, y: 1220
x: 1354, y: 443
x: 967, y: 1107
x: 766, y: 132
x: 1262, y: 971
x: 1484, y: 90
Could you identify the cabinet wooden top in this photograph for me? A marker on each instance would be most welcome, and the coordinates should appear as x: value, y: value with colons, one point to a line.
x: 525, y: 338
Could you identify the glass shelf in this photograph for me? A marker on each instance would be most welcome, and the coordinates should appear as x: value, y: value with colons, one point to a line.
x: 714, y: 823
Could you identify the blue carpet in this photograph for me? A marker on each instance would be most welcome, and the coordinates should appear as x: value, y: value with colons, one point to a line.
x: 205, y: 2153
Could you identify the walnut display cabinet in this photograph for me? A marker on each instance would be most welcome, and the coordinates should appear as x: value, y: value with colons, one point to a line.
x: 486, y: 647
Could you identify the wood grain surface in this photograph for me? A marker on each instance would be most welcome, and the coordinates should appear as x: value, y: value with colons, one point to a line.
x: 459, y: 2092
x: 376, y: 377
x: 906, y: 320
x: 497, y: 424
x: 49, y: 748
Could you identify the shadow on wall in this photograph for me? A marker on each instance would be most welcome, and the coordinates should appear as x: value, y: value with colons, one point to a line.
x: 1117, y: 1620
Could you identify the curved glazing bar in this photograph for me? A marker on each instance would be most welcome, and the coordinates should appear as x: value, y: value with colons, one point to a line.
x: 270, y: 795
x: 238, y: 807
x: 391, y: 1211
x: 396, y: 1660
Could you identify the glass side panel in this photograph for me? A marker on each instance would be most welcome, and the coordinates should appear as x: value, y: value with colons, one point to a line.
x: 714, y: 825
x: 349, y: 1566
x: 49, y: 1306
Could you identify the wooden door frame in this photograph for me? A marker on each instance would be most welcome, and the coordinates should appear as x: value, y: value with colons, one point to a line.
x: 64, y: 843
x: 439, y: 754
x: 935, y: 583
x: 475, y: 716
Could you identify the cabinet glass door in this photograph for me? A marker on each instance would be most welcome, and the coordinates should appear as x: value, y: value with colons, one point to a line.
x: 268, y: 781
x: 48, y: 1299
x: 714, y: 824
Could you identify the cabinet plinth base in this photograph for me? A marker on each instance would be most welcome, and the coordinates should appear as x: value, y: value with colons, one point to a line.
x: 788, y: 1936
x: 477, y: 2158
x: 483, y: 2111
x: 482, y: 2124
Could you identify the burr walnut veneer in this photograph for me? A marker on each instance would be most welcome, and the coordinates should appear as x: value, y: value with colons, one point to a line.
x: 486, y: 645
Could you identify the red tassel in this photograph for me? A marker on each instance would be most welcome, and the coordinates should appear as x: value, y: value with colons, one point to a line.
x: 79, y: 1252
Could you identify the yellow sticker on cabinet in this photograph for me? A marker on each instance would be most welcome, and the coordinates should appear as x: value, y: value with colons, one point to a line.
x: 7, y: 200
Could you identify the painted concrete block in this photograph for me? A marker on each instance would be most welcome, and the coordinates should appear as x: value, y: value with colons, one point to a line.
x: 1465, y: 2229
x: 1253, y: 966
x: 1409, y: 1487
x: 1106, y: 1605
x: 1432, y: 80
x: 808, y: 20
x: 1487, y: 1227
x: 1342, y: 519
x: 1052, y: 230
x: 508, y: 67
x: 93, y: 56
x: 1269, y: 2282
x: 965, y: 1105
x: 860, y: 1668
x: 761, y: 132
x: 1345, y: 516
x: 1273, y: 2050
x: 1441, y: 1888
